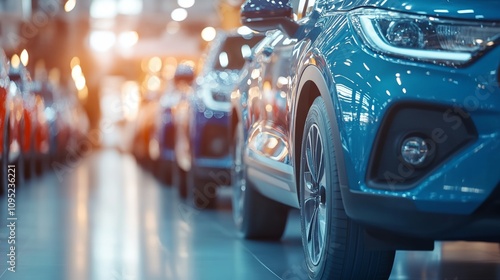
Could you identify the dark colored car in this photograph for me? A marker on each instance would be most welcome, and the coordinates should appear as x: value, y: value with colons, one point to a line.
x: 165, y: 127
x: 378, y: 120
x: 205, y: 155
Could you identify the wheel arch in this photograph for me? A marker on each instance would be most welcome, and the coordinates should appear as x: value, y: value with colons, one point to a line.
x: 316, y: 81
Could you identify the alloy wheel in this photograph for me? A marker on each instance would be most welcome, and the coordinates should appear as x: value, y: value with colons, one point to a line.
x: 315, y: 195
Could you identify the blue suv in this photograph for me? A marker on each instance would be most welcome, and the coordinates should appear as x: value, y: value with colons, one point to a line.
x: 377, y: 119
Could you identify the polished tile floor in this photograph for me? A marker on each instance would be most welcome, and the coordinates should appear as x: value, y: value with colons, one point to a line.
x: 105, y: 218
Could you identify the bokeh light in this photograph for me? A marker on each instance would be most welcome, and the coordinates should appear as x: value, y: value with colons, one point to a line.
x: 208, y: 33
x: 179, y: 14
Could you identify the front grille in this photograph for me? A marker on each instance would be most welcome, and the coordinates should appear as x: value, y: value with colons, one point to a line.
x: 214, y: 141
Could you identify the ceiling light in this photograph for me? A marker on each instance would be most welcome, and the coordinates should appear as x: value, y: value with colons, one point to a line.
x: 179, y: 14
x: 102, y: 40
x: 103, y: 9
x: 185, y: 3
x: 130, y: 7
x: 128, y: 39
x: 69, y: 6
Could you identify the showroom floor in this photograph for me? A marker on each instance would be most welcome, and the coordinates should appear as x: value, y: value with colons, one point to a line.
x: 104, y: 218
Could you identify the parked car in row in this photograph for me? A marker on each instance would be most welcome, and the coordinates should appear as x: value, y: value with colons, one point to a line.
x: 67, y: 121
x: 11, y: 115
x: 34, y: 127
x: 378, y: 120
x: 204, y: 160
x: 32, y: 117
x: 172, y: 104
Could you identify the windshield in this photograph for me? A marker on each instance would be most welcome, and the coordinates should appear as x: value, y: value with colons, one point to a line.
x: 234, y: 51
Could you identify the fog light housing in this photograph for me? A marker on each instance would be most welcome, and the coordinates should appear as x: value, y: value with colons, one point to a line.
x: 415, y: 150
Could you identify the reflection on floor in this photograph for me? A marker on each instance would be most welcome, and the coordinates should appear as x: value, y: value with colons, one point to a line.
x: 105, y: 218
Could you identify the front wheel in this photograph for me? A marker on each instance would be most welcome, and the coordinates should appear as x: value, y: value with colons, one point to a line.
x: 201, y: 192
x: 333, y: 244
x: 255, y: 216
x: 179, y: 180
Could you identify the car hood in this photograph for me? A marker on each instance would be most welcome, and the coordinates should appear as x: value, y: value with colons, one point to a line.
x: 461, y: 9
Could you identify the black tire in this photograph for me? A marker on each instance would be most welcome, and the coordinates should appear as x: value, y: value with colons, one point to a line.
x: 336, y: 250
x: 179, y: 180
x: 255, y: 216
x: 41, y: 163
x: 201, y: 192
x: 20, y: 163
x: 163, y: 172
x: 30, y: 165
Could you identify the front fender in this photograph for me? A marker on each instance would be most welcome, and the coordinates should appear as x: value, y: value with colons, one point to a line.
x: 315, y: 80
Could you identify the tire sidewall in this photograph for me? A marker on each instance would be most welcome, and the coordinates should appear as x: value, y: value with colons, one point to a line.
x: 317, y: 116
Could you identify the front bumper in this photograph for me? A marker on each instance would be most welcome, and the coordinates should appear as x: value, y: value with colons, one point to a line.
x: 402, y: 216
x: 447, y: 201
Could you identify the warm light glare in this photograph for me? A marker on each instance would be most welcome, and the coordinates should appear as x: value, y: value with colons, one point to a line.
x: 170, y: 64
x: 80, y: 82
x: 69, y: 6
x: 173, y: 27
x: 185, y: 3
x: 208, y: 33
x: 25, y: 57
x: 15, y: 61
x: 155, y: 64
x: 103, y: 9
x: 128, y: 39
x: 154, y: 83
x: 129, y: 7
x: 179, y: 14
x: 131, y: 98
x: 76, y: 72
x: 83, y: 93
x: 54, y: 76
x: 74, y: 62
x: 102, y: 40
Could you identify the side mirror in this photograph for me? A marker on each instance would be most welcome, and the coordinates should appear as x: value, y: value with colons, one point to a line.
x: 265, y: 15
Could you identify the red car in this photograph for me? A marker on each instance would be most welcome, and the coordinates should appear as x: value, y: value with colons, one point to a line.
x: 11, y: 117
x: 34, y: 128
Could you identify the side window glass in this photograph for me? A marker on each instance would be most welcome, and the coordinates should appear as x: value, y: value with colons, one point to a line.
x: 304, y: 8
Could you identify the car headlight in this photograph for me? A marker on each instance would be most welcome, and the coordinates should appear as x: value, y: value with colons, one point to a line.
x: 425, y: 38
